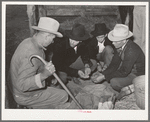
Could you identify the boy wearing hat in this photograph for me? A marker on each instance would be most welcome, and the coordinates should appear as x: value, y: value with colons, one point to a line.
x: 100, y: 47
x: 27, y: 81
x: 127, y: 63
x: 69, y: 55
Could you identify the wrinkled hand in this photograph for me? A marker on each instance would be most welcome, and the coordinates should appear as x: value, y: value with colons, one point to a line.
x: 99, y: 68
x: 95, y: 75
x: 99, y: 79
x: 82, y: 74
x: 87, y: 71
x: 107, y: 102
x: 104, y: 67
x: 48, y: 70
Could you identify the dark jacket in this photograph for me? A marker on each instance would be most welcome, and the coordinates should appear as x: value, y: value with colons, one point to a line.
x: 132, y: 59
x: 64, y: 55
x: 93, y: 48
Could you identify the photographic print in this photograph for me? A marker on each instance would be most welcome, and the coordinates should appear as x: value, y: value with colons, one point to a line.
x: 75, y: 60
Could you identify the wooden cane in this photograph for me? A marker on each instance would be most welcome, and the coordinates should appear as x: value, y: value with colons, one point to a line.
x: 59, y: 80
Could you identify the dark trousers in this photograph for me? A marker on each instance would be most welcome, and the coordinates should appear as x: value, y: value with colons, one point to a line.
x: 118, y: 83
x: 106, y: 55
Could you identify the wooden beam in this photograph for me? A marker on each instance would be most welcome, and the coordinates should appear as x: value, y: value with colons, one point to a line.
x: 31, y: 17
x: 34, y: 13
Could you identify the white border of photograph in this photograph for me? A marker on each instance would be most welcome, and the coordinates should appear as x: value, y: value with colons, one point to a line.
x: 53, y: 114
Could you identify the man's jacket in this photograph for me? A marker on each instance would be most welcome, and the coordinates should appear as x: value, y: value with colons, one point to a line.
x: 22, y: 73
x: 92, y: 46
x: 64, y: 55
x: 131, y: 60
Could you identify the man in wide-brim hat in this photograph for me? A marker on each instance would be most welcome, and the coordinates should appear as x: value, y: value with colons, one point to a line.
x: 127, y: 63
x: 27, y: 82
x: 69, y: 55
x: 100, y: 48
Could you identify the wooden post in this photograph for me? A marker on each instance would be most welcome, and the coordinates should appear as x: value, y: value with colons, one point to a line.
x: 34, y: 13
x: 42, y: 11
x: 32, y: 18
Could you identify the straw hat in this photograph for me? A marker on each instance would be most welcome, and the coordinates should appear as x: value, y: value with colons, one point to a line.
x: 49, y: 25
x: 120, y: 32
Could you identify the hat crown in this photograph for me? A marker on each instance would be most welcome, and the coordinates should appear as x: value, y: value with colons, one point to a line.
x: 48, y: 24
x: 100, y: 29
x: 120, y: 30
x: 78, y: 30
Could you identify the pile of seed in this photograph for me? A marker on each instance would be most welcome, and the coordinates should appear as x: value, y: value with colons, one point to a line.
x: 127, y: 103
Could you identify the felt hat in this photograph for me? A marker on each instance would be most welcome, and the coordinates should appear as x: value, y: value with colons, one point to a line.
x: 77, y: 33
x: 49, y: 25
x: 100, y: 29
x: 120, y: 32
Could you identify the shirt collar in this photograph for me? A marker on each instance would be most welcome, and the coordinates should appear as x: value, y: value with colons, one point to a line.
x: 42, y: 47
x: 124, y: 45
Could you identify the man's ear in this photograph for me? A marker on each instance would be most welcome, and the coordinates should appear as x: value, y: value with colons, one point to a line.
x: 125, y: 40
x: 46, y: 36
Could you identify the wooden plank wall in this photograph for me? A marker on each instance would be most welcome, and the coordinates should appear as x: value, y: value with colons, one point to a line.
x: 36, y: 11
x: 77, y: 10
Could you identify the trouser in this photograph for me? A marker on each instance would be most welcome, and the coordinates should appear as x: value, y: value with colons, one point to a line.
x: 78, y: 64
x: 118, y: 83
x: 139, y: 90
x: 46, y: 99
x: 106, y: 55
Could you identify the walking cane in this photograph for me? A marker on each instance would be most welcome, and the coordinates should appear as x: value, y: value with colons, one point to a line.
x: 59, y: 80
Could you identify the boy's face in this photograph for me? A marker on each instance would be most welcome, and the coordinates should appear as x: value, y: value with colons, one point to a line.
x: 101, y: 38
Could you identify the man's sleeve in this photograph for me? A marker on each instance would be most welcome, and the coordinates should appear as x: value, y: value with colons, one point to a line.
x: 116, y: 60
x: 130, y: 56
x: 84, y: 52
x: 28, y: 79
x: 58, y: 61
x: 92, y: 48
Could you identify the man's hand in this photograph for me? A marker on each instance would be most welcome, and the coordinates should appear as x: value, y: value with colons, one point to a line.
x: 48, y: 70
x: 99, y: 79
x: 104, y: 67
x: 82, y: 74
x: 87, y: 71
x: 95, y: 75
x: 99, y: 67
x: 86, y: 66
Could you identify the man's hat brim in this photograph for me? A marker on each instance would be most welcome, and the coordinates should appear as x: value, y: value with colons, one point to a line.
x: 114, y: 38
x: 68, y: 34
x: 94, y: 33
x: 44, y: 30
